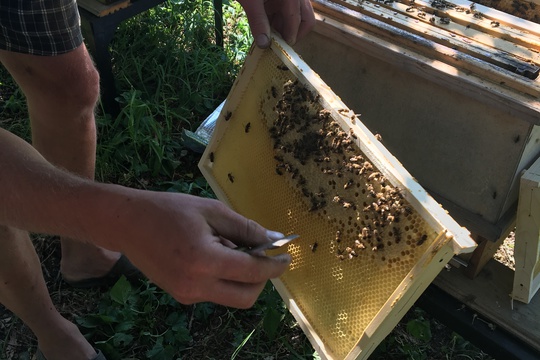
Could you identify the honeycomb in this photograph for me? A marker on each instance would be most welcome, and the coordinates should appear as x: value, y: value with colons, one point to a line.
x: 279, y: 156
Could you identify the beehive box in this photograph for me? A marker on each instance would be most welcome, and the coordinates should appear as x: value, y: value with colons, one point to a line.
x: 436, y: 80
x: 446, y: 85
x: 289, y: 154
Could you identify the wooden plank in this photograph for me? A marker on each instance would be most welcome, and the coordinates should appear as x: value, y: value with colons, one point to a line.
x: 506, y: 27
x: 458, y: 26
x: 527, y: 246
x: 99, y: 9
x: 530, y: 153
x: 493, y: 29
x: 481, y: 255
x: 504, y: 18
x: 474, y: 84
x: 474, y: 59
x: 463, y: 37
x: 489, y: 295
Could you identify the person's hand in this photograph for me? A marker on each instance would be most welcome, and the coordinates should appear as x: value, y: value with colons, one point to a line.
x: 293, y: 19
x: 184, y: 245
x: 181, y: 242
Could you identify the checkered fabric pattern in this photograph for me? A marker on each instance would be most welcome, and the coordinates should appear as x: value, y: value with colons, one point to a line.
x: 39, y: 27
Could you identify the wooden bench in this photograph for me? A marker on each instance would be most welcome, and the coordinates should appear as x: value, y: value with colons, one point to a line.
x: 99, y: 22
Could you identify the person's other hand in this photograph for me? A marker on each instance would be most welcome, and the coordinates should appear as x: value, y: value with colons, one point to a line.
x: 293, y: 19
x: 184, y: 244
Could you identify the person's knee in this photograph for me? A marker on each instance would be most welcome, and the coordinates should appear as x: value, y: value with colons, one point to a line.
x: 82, y: 89
x: 91, y: 94
x: 68, y: 82
x: 69, y: 103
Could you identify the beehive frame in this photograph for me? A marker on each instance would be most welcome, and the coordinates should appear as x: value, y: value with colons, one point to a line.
x: 345, y: 298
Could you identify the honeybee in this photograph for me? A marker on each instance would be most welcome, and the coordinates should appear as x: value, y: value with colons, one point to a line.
x: 422, y: 240
x: 365, y: 233
x: 444, y: 20
x: 338, y: 236
x: 478, y: 15
x: 374, y: 175
x: 359, y: 245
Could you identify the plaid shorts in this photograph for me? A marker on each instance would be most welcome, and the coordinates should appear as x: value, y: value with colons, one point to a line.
x: 39, y: 27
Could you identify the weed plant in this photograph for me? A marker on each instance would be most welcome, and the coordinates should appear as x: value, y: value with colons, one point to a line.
x: 13, y: 111
x: 170, y: 75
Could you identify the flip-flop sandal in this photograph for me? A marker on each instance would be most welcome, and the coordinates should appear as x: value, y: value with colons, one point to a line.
x: 99, y: 356
x: 122, y: 267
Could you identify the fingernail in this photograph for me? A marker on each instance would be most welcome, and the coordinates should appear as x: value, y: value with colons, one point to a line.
x: 274, y: 235
x: 284, y: 258
x: 262, y: 41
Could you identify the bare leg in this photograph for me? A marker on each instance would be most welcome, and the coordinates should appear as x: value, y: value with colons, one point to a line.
x: 23, y: 291
x: 61, y: 92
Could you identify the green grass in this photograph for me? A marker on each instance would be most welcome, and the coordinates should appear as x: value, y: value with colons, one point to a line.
x: 147, y: 323
x: 170, y: 76
x: 170, y: 79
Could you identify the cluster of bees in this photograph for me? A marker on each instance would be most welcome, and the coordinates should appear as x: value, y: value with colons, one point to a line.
x: 524, y: 10
x: 334, y: 178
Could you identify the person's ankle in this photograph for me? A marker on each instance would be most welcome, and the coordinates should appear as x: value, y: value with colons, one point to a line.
x: 65, y: 341
x: 78, y: 265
